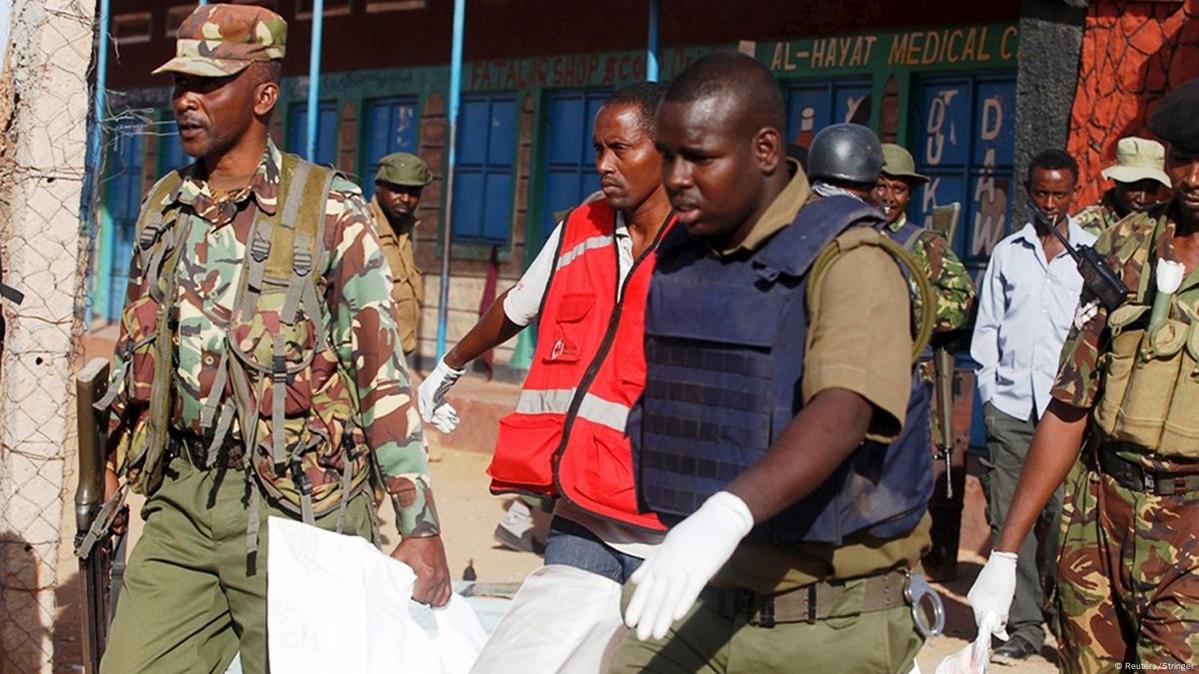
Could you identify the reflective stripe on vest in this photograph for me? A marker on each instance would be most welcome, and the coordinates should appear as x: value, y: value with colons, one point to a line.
x: 579, y: 249
x: 567, y: 434
x: 557, y: 401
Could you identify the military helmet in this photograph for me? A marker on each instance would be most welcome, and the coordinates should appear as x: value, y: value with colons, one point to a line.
x: 847, y: 152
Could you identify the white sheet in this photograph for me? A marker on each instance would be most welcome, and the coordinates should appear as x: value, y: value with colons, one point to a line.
x: 336, y: 603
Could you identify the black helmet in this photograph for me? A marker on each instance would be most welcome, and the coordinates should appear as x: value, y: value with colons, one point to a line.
x: 847, y: 152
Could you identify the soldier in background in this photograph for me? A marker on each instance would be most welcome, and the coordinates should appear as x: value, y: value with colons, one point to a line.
x: 1126, y: 394
x: 955, y: 301
x: 398, y: 185
x: 1138, y: 178
x: 240, y: 390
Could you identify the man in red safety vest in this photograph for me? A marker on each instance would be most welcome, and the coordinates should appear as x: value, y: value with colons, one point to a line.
x: 566, y: 439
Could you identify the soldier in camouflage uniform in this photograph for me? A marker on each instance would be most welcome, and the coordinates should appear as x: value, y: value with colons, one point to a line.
x: 1138, y: 178
x: 955, y: 290
x: 1127, y: 393
x: 258, y: 367
x: 955, y: 301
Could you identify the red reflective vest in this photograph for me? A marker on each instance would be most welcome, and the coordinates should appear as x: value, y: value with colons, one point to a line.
x: 567, y: 435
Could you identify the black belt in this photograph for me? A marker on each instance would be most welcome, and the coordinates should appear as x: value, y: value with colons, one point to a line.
x: 805, y: 604
x: 194, y: 448
x: 1134, y: 476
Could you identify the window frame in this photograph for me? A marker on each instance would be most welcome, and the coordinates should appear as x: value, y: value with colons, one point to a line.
x: 486, y: 168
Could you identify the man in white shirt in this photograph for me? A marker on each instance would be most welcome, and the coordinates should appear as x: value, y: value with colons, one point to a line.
x: 587, y: 287
x: 1027, y: 303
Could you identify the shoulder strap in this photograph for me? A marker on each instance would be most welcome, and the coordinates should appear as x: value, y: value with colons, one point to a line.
x: 855, y: 237
x: 303, y: 192
x: 152, y: 223
x: 151, y: 217
x: 909, y: 244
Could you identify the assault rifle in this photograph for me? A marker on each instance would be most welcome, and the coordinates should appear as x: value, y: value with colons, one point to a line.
x: 101, y: 558
x: 944, y: 222
x: 1096, y: 275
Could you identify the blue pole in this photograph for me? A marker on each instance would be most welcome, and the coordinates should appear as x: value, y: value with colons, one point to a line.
x: 92, y: 179
x: 651, y: 50
x: 446, y: 230
x: 314, y: 78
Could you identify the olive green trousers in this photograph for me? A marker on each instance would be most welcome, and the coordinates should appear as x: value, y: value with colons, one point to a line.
x: 878, y: 642
x: 193, y: 598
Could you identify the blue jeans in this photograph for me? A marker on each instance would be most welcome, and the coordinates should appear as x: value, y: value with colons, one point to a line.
x: 573, y: 545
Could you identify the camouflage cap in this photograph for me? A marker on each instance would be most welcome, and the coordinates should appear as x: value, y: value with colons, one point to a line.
x: 898, y: 163
x: 220, y: 40
x: 403, y: 168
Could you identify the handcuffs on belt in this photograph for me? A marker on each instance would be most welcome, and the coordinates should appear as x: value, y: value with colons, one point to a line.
x: 916, y: 592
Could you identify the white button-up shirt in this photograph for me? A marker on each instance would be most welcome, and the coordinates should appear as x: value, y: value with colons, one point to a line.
x: 1026, y: 305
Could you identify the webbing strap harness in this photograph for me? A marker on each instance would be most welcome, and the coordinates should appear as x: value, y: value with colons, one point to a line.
x: 282, y: 251
x: 862, y: 236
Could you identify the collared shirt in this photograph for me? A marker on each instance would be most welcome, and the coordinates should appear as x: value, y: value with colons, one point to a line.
x: 780, y: 213
x: 524, y: 299
x: 1026, y: 306
x: 357, y: 312
x: 407, y: 290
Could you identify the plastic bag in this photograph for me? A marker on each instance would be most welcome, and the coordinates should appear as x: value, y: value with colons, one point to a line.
x: 973, y: 659
x: 337, y: 604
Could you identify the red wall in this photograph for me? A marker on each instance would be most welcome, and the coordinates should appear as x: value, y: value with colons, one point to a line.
x: 1132, y: 54
x: 525, y: 28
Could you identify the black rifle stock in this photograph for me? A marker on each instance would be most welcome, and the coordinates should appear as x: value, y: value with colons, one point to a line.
x: 95, y: 559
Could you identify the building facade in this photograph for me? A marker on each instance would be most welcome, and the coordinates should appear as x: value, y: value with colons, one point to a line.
x: 941, y: 80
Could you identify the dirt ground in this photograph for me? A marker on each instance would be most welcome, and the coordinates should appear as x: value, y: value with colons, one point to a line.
x: 469, y: 514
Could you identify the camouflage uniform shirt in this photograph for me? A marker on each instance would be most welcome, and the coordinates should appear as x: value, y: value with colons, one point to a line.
x: 955, y: 290
x: 358, y: 314
x: 1099, y: 216
x: 1131, y: 247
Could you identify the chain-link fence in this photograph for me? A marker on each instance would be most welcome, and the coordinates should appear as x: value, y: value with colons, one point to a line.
x: 43, y: 125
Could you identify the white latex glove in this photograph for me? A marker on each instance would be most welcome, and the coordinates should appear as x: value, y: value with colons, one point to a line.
x: 431, y: 397
x: 992, y: 593
x: 670, y: 579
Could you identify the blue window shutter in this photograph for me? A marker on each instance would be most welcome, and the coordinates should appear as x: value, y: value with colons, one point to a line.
x: 484, y: 179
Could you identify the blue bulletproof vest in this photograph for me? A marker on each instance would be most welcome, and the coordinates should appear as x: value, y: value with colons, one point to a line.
x: 724, y: 356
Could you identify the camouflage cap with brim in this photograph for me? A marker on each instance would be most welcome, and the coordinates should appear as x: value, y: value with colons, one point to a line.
x: 221, y: 40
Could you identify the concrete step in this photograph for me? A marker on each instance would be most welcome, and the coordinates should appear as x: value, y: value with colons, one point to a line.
x: 480, y: 405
